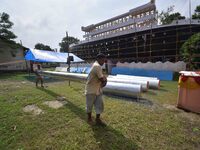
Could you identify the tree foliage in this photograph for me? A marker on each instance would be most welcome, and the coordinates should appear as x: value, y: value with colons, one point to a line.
x: 5, y: 26
x: 166, y: 17
x: 66, y: 41
x: 169, y: 18
x: 41, y: 46
x: 190, y: 48
x: 196, y: 14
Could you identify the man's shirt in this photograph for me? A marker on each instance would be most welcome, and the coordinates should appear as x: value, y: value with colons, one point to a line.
x: 93, y: 84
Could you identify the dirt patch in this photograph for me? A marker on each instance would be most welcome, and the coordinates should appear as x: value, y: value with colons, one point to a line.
x: 55, y: 104
x: 172, y: 107
x: 190, y: 116
x: 181, y: 113
x: 33, y: 109
x: 60, y: 98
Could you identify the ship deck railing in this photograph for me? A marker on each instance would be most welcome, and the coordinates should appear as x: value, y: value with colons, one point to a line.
x: 138, y: 29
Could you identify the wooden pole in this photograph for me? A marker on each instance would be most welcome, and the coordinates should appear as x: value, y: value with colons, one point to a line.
x: 68, y: 61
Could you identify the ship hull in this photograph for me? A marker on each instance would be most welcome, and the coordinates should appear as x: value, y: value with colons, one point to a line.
x: 161, y: 43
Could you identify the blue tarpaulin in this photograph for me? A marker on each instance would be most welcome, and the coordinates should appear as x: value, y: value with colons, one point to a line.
x: 49, y: 56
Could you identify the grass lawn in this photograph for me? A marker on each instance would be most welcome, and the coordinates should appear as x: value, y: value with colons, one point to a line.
x: 152, y: 123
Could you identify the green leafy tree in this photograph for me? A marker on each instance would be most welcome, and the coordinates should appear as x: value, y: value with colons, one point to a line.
x: 41, y: 46
x: 191, y: 48
x: 166, y: 17
x: 66, y: 41
x: 5, y: 26
x: 196, y: 14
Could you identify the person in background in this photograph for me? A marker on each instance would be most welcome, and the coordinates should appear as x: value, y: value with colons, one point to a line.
x: 93, y: 89
x: 37, y: 68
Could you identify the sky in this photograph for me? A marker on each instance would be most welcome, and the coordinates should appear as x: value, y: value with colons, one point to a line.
x: 46, y: 21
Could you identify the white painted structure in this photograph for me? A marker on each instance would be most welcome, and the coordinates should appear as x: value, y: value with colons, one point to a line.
x: 167, y: 66
x: 137, y: 19
x: 134, y: 19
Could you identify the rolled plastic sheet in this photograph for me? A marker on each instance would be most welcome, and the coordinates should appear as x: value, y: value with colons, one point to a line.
x: 66, y: 75
x: 139, y: 77
x: 123, y: 89
x: 144, y: 84
x: 115, y: 88
x: 154, y: 83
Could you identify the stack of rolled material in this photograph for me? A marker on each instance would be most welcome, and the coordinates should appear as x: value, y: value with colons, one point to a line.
x: 67, y: 75
x: 144, y: 83
x: 154, y: 83
x: 123, y: 89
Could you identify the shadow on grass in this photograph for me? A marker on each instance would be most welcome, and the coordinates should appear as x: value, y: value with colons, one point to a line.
x: 163, y: 90
x: 106, y: 137
x: 46, y: 79
x: 53, y: 94
x: 21, y: 76
x: 139, y: 100
x: 11, y: 75
x: 150, y: 92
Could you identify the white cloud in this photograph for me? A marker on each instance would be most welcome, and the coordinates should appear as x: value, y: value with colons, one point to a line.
x: 46, y: 21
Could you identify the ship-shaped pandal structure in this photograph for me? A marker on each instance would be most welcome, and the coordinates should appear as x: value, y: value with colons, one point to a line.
x: 136, y: 36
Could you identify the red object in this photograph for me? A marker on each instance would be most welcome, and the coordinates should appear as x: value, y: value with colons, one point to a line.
x: 197, y: 80
x: 188, y: 98
x: 184, y: 78
x: 198, y: 72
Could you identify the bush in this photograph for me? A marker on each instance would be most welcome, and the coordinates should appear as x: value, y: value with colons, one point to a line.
x: 191, y: 48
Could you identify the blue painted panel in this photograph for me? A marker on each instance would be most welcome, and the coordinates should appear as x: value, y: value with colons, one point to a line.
x: 162, y: 75
x: 80, y: 70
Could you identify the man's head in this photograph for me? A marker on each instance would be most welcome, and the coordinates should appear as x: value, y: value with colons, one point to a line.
x: 101, y: 58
